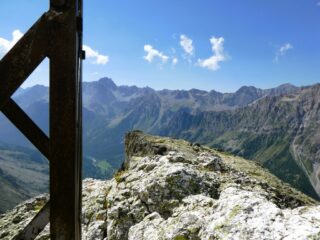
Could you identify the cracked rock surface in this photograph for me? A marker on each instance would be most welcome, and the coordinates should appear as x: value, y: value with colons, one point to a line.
x: 172, y: 189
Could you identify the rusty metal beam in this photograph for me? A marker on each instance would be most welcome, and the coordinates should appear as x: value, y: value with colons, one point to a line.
x: 28, y: 128
x: 37, y: 224
x: 65, y: 121
x: 23, y: 58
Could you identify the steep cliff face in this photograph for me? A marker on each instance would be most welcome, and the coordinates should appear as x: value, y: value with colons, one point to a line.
x: 173, y: 189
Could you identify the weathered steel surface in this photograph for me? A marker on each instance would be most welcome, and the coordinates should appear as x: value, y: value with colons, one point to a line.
x: 65, y: 129
x: 37, y: 224
x: 25, y: 124
x: 58, y: 36
x: 22, y: 59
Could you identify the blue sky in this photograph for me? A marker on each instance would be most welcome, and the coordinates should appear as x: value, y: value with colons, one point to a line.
x: 205, y: 44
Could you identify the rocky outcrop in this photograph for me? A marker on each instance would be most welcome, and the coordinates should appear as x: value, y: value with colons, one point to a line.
x: 172, y: 189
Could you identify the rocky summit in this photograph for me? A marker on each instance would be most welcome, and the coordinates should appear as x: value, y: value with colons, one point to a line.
x: 173, y: 189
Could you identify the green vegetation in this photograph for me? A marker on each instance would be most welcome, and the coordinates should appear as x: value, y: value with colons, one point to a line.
x: 118, y: 176
x: 235, y: 211
x: 272, y: 150
x: 96, y: 168
x: 39, y: 206
x: 180, y: 238
x: 104, y: 165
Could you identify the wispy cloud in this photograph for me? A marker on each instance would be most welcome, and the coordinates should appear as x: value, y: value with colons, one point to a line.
x: 6, y: 45
x: 95, y: 55
x: 187, y: 45
x: 174, y: 61
x: 318, y: 4
x: 212, y: 63
x: 153, y: 53
x: 282, y: 50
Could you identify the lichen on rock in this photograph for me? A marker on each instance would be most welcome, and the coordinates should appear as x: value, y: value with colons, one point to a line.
x: 171, y: 189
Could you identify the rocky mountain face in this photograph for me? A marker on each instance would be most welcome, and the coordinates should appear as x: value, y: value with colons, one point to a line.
x: 213, y: 118
x: 112, y: 110
x: 261, y: 123
x: 281, y: 132
x: 173, y: 189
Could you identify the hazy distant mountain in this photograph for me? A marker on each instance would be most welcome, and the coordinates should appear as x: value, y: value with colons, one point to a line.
x: 251, y: 122
x: 113, y: 110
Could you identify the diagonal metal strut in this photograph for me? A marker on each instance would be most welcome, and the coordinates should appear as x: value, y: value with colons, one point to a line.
x: 25, y: 124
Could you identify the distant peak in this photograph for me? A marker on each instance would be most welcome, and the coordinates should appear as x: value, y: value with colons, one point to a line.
x: 246, y: 88
x: 287, y: 85
x: 107, y: 82
x: 39, y: 86
x: 36, y: 88
x: 197, y: 91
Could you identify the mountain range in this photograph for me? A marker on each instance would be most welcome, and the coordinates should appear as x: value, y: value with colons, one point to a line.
x: 276, y: 127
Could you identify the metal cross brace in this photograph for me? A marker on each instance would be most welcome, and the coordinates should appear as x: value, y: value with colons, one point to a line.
x: 57, y: 35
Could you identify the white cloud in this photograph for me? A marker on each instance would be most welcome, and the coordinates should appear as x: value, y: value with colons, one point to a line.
x: 97, y: 58
x: 212, y: 63
x: 282, y: 51
x: 6, y: 45
x: 186, y: 44
x: 153, y: 53
x: 174, y: 61
x: 285, y: 48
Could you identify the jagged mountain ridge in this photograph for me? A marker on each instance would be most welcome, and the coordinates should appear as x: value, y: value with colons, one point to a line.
x: 106, y: 98
x: 279, y: 131
x: 173, y: 189
x: 107, y: 106
x: 111, y: 110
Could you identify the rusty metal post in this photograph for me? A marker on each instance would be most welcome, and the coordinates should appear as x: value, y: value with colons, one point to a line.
x: 56, y: 35
x: 65, y: 121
